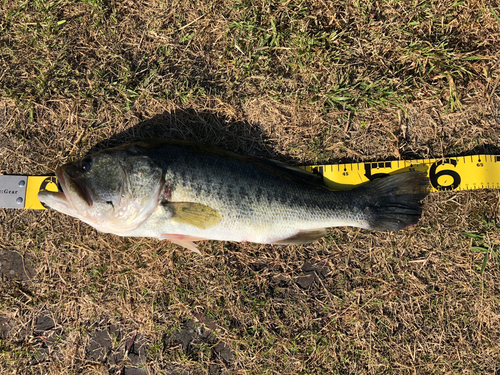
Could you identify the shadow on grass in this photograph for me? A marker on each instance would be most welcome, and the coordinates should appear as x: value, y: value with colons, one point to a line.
x: 202, y: 126
x: 240, y: 137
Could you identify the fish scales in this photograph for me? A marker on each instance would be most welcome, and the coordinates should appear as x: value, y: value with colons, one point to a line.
x: 186, y: 191
x: 269, y: 205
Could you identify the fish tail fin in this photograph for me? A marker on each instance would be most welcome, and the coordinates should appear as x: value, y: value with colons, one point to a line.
x: 393, y: 201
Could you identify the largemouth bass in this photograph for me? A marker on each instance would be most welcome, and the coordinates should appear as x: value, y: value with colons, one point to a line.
x: 188, y: 191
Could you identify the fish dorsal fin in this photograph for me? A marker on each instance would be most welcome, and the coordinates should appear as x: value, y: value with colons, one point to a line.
x: 195, y: 214
x: 304, y: 236
x: 297, y: 175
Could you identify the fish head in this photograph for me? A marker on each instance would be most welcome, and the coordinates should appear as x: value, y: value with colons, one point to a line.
x: 113, y: 190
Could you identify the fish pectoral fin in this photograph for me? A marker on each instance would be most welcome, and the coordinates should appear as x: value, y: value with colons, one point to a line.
x: 195, y: 214
x: 184, y: 241
x: 304, y: 236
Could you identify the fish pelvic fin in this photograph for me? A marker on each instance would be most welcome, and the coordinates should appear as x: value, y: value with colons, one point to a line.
x: 304, y: 236
x: 184, y: 241
x: 394, y: 201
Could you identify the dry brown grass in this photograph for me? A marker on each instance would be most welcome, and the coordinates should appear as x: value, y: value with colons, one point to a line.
x: 303, y: 82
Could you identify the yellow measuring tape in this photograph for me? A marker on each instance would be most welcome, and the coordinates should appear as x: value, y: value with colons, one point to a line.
x: 454, y: 173
x: 34, y: 185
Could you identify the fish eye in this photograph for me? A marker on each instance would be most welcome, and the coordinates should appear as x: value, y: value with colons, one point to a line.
x: 85, y: 165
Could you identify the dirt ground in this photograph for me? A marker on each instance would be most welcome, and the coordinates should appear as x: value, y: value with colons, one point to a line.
x: 303, y: 82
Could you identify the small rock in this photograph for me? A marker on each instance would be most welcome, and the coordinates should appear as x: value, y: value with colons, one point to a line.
x: 134, y: 371
x: 280, y: 280
x: 321, y: 268
x: 12, y: 267
x: 137, y: 351
x: 257, y: 266
x: 100, y: 344
x: 117, y: 357
x: 217, y: 370
x: 184, y: 336
x: 43, y: 323
x: 305, y: 281
x: 224, y: 351
x: 5, y: 327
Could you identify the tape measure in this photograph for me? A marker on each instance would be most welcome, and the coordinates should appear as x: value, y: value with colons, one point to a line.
x: 22, y: 191
x: 455, y: 173
x: 445, y: 174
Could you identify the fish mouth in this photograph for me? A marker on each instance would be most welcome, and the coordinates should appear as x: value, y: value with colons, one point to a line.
x: 77, y: 187
x: 51, y: 199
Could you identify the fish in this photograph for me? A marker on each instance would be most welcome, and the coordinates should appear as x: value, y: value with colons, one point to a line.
x: 185, y: 191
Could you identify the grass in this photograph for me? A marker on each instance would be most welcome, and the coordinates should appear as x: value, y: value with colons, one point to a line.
x: 303, y: 82
x: 490, y: 252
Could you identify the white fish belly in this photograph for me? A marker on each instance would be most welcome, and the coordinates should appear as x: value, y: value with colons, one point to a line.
x: 264, y: 227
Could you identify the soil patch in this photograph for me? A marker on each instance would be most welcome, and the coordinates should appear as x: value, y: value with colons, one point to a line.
x: 192, y: 337
x: 14, y: 267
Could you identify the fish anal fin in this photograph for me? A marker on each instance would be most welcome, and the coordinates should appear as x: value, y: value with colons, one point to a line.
x: 304, y: 236
x: 195, y: 214
x: 184, y: 241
